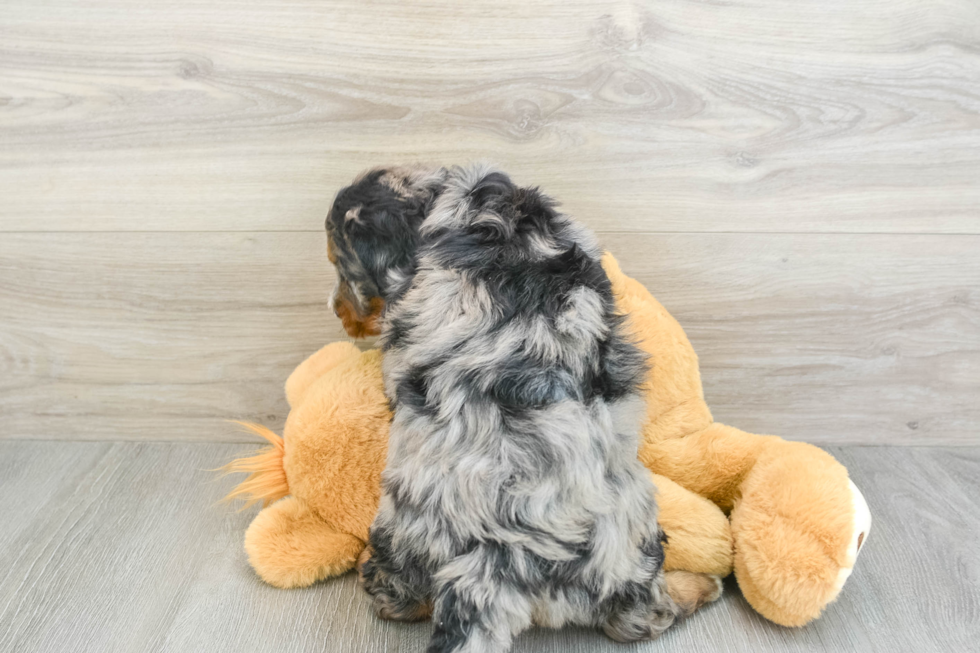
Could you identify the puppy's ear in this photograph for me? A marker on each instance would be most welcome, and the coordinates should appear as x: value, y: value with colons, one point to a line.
x: 352, y: 215
x: 384, y: 234
x: 376, y: 222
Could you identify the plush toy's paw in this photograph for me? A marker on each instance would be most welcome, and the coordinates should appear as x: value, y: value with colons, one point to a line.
x: 690, y: 591
x: 794, y: 527
x: 289, y: 546
x: 859, y: 534
x: 699, y: 536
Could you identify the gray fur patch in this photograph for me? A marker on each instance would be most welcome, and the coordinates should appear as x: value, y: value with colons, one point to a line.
x: 512, y: 490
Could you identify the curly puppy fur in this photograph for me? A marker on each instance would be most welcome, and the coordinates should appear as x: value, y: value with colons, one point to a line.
x: 513, y: 494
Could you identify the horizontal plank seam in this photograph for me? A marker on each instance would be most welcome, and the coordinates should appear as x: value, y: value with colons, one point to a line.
x: 257, y: 441
x: 598, y: 231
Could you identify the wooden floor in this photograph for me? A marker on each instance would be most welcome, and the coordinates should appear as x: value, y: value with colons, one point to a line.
x: 123, y: 547
x: 798, y: 182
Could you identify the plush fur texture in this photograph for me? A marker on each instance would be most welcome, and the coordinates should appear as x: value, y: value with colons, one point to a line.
x: 791, y: 518
x: 297, y: 541
x: 329, y: 463
x: 791, y: 507
x: 512, y: 491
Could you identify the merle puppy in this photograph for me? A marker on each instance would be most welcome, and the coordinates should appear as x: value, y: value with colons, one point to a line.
x: 513, y: 494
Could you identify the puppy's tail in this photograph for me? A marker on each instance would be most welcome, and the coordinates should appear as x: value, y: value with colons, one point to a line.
x: 266, y: 481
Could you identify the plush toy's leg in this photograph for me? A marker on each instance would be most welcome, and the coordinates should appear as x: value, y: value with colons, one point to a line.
x: 289, y: 546
x: 699, y: 537
x: 690, y: 591
x: 797, y: 529
x: 307, y: 373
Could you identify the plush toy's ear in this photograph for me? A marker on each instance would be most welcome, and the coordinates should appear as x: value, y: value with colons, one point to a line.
x: 699, y: 537
x: 310, y: 370
x: 289, y: 546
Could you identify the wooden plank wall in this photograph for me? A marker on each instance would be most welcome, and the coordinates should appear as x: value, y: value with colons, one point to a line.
x: 799, y: 183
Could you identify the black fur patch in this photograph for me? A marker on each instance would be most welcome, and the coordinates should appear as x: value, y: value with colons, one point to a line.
x: 455, y: 619
x: 383, y: 236
x: 399, y: 582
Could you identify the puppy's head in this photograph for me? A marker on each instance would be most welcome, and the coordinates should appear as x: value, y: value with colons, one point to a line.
x: 372, y: 238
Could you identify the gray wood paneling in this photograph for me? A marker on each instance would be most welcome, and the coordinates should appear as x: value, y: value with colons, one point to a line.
x: 827, y: 338
x: 671, y: 116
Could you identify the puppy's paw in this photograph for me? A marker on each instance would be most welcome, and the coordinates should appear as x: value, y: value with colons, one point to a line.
x: 393, y: 608
x: 362, y: 563
x: 690, y: 591
x: 387, y: 601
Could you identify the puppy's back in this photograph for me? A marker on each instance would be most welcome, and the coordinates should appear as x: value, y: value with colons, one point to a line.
x: 510, y: 373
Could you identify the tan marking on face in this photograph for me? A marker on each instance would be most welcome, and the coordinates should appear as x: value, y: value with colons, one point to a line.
x: 355, y: 325
x: 331, y: 251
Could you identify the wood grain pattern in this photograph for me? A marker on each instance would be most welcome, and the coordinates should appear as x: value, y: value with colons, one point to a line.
x: 831, y: 339
x: 670, y: 116
x: 796, y: 182
x: 156, y: 336
x: 121, y: 547
x: 705, y: 141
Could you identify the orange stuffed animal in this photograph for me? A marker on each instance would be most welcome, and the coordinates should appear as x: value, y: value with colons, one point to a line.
x: 796, y: 521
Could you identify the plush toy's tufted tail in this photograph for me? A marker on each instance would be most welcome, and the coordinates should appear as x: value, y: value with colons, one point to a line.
x: 266, y: 481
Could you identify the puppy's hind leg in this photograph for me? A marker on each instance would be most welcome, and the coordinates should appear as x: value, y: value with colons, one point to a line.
x: 642, y: 612
x: 394, y: 597
x: 638, y: 611
x: 477, y: 609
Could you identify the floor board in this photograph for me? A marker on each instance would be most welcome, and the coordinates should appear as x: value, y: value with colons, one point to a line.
x: 122, y: 547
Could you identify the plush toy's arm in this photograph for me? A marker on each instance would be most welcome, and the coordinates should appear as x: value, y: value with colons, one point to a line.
x: 289, y: 546
x: 315, y: 366
x: 712, y: 462
x: 699, y: 537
